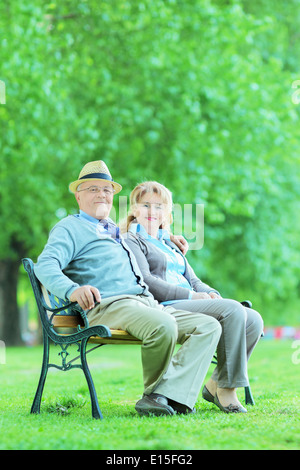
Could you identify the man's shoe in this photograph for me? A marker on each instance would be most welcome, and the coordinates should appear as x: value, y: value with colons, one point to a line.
x: 154, y: 404
x: 180, y: 408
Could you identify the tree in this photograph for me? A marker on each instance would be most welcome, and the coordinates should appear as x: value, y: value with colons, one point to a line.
x: 195, y: 94
x: 37, y: 142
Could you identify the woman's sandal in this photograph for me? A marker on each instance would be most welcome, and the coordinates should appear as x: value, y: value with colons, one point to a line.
x: 230, y: 408
x: 227, y: 409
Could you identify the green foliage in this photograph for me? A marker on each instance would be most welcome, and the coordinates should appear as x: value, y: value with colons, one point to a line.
x: 195, y: 94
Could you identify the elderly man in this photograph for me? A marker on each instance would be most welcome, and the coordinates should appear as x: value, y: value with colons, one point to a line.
x: 87, y: 261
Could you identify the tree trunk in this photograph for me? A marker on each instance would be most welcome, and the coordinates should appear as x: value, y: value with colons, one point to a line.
x: 10, y: 331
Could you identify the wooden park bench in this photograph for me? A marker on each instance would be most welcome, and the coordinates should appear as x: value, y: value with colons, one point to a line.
x: 65, y: 323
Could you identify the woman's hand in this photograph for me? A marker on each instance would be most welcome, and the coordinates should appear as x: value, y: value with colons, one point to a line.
x: 204, y: 295
x: 213, y: 295
x: 85, y: 296
x: 200, y: 295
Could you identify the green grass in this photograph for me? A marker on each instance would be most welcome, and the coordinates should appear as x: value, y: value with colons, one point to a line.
x: 65, y: 421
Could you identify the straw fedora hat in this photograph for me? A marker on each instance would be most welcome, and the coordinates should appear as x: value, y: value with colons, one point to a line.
x: 94, y: 171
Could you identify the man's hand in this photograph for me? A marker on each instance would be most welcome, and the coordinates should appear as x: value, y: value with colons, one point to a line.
x: 181, y: 242
x: 85, y: 296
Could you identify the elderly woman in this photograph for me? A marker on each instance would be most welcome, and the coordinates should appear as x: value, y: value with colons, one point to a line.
x: 172, y: 281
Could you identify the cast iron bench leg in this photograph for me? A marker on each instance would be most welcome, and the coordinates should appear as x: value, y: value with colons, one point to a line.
x: 36, y: 405
x: 248, y: 396
x: 96, y: 412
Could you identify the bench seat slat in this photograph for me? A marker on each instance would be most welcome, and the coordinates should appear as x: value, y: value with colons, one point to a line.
x: 128, y: 339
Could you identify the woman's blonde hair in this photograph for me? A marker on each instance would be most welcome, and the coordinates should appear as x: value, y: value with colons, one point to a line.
x: 148, y: 187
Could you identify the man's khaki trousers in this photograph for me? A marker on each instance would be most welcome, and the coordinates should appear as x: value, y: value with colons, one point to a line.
x: 177, y: 376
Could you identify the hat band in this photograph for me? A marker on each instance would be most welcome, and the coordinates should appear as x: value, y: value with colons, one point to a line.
x: 102, y: 176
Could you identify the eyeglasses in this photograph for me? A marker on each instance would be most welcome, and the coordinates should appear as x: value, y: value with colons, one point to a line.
x: 96, y: 190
